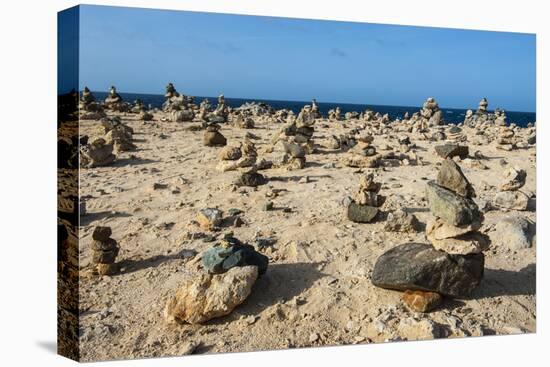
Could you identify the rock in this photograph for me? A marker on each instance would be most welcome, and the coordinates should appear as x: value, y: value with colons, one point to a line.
x: 107, y: 269
x: 102, y: 234
x: 251, y: 178
x: 361, y: 213
x: 451, y: 177
x: 209, y: 218
x: 105, y: 257
x: 420, y: 301
x: 411, y: 329
x: 295, y: 150
x: 452, y: 208
x: 416, y: 266
x: 513, y: 233
x: 516, y: 200
x: 208, y: 296
x: 230, y: 153
x: 107, y: 245
x: 214, y: 139
x: 514, y: 179
x: 438, y: 229
x: 469, y: 243
x: 452, y: 150
x: 401, y: 221
x: 313, y: 337
x: 233, y: 253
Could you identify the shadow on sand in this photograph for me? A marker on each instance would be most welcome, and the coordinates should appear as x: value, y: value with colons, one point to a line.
x: 498, y: 282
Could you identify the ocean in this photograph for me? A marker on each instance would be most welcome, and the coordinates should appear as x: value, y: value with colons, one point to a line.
x: 451, y: 115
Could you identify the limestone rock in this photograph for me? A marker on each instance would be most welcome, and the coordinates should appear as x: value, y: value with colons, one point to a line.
x: 230, y: 153
x: 420, y: 301
x: 513, y: 232
x: 411, y: 329
x: 209, y: 218
x: 452, y: 208
x: 516, y: 200
x: 469, y: 243
x: 440, y: 230
x: 401, y: 221
x: 514, y: 179
x: 416, y: 266
x: 208, y: 296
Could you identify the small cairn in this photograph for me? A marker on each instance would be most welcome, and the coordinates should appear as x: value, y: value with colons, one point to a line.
x: 509, y: 197
x: 335, y: 114
x: 221, y: 113
x: 97, y: 153
x: 431, y: 113
x: 506, y: 139
x: 114, y: 100
x: 105, y: 250
x: 241, y: 156
x: 304, y: 129
x: 457, y: 219
x: 118, y: 134
x: 212, y: 136
x: 363, y: 154
x: 231, y: 269
x: 363, y: 207
x: 89, y: 108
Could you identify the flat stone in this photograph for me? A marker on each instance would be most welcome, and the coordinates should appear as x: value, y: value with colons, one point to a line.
x: 208, y: 296
x: 361, y: 213
x: 421, y: 301
x: 469, y: 243
x: 451, y: 177
x: 438, y: 229
x: 416, y: 266
x: 220, y: 259
x: 452, y: 150
x: 452, y: 208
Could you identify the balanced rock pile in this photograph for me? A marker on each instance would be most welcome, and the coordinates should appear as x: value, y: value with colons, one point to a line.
x: 363, y: 207
x: 114, y: 101
x: 88, y: 107
x: 509, y: 196
x: 454, y: 228
x: 105, y: 250
x: 431, y: 113
x: 241, y: 156
x: 212, y: 136
x: 118, y: 134
x: 232, y: 268
x: 97, y: 153
x: 453, y: 265
x: 363, y: 153
x: 305, y: 129
x: 335, y: 114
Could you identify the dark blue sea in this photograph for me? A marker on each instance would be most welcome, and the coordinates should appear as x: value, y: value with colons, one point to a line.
x: 451, y: 115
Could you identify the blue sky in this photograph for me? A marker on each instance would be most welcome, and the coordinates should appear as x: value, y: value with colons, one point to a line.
x: 205, y: 54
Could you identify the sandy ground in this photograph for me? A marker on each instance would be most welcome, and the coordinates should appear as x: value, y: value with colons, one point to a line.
x: 317, y: 290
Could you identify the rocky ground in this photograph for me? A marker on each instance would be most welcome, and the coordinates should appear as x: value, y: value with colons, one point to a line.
x: 317, y: 289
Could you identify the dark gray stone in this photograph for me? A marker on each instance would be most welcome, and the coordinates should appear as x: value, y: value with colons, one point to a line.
x: 450, y: 207
x: 251, y: 178
x: 361, y: 213
x: 417, y: 266
x: 220, y: 259
x: 451, y: 177
x: 102, y: 234
x: 452, y: 150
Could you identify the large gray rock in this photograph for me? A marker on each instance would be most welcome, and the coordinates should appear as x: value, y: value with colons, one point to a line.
x: 417, y: 266
x: 516, y: 200
x: 451, y: 177
x: 452, y: 208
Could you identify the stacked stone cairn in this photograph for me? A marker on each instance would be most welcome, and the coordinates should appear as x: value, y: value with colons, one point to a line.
x: 235, y: 157
x: 114, y: 101
x: 305, y: 129
x: 118, y: 134
x: 363, y: 207
x: 88, y: 107
x: 457, y: 219
x: 231, y: 269
x: 453, y: 264
x: 431, y: 112
x: 335, y: 114
x: 509, y: 197
x: 363, y: 154
x: 221, y: 113
x: 212, y: 136
x: 97, y: 153
x: 104, y: 251
x: 506, y: 139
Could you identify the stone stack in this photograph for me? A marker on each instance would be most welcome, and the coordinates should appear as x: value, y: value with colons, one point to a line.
x: 114, y: 100
x: 89, y: 108
x: 363, y: 207
x: 234, y: 157
x: 97, y: 153
x: 212, y: 136
x: 221, y: 113
x: 305, y: 129
x: 105, y: 250
x: 232, y: 267
x: 335, y: 114
x: 509, y: 197
x: 363, y: 154
x: 453, y: 265
x: 457, y: 219
x: 506, y: 139
x: 431, y: 113
x: 294, y: 156
x: 454, y: 134
x: 118, y: 134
